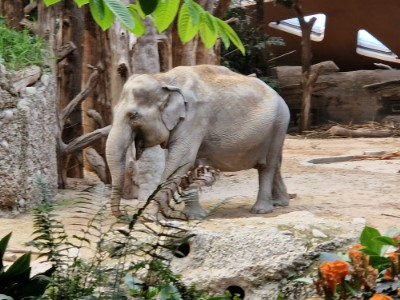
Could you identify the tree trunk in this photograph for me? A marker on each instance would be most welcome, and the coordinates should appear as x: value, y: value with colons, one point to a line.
x: 69, y: 83
x: 13, y: 11
x: 96, y: 55
x: 308, y: 79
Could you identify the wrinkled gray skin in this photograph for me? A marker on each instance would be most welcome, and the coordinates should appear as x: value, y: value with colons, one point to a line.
x: 202, y: 114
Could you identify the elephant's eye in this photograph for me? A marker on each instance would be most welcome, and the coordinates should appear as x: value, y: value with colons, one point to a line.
x: 133, y: 115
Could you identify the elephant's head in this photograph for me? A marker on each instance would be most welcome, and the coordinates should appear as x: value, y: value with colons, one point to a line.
x: 147, y: 111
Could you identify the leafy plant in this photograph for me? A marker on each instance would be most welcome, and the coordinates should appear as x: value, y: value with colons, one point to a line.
x: 15, y: 281
x: 192, y: 19
x: 131, y: 260
x: 369, y: 270
x: 20, y: 49
x: 257, y: 44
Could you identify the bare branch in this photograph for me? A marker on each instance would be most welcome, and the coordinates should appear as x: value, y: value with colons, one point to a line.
x: 65, y: 50
x: 280, y: 56
x: 32, y: 26
x: 92, y: 81
x: 30, y: 7
x: 96, y: 117
x: 87, y: 139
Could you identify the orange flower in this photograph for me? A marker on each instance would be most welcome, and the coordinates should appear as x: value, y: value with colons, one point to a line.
x: 394, y: 257
x: 357, y: 256
x: 388, y: 274
x: 380, y: 297
x: 333, y: 273
x: 396, y: 237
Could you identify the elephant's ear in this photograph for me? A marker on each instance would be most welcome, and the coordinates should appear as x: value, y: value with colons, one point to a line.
x: 174, y: 107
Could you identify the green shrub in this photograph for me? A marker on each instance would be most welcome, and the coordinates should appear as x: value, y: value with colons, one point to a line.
x: 15, y: 281
x: 257, y: 59
x: 133, y: 260
x: 20, y: 49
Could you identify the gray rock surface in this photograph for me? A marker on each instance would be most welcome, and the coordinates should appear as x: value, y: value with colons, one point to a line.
x: 27, y: 145
x: 262, y: 255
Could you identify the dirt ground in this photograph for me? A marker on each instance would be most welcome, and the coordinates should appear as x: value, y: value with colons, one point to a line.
x: 367, y: 189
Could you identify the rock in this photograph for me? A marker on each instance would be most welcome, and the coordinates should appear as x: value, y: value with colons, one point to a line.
x: 359, y: 221
x: 318, y: 234
x: 6, y: 116
x: 259, y: 255
x: 27, y: 146
x: 45, y: 79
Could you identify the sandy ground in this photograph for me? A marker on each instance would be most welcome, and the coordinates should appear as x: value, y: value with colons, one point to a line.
x: 366, y: 189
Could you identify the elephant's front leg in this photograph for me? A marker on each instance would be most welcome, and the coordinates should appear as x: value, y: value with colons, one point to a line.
x: 180, y: 160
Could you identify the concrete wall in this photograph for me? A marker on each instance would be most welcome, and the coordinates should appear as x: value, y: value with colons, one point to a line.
x: 27, y: 145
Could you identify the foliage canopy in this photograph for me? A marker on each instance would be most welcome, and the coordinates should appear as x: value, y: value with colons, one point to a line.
x: 192, y: 19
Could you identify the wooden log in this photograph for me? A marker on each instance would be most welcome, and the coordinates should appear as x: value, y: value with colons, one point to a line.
x: 26, y: 77
x: 86, y: 139
x: 96, y: 163
x: 357, y: 133
x: 96, y: 117
x: 385, y: 156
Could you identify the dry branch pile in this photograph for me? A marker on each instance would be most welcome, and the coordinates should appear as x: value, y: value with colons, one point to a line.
x: 370, y: 129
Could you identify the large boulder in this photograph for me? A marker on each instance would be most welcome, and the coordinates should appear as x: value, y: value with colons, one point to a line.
x: 260, y: 255
x: 27, y: 144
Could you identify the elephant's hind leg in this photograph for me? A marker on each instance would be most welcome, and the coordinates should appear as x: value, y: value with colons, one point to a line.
x: 279, y: 193
x: 264, y: 202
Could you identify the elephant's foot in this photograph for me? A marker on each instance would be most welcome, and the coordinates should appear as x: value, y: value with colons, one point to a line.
x: 262, y: 208
x: 195, y: 213
x: 283, y: 201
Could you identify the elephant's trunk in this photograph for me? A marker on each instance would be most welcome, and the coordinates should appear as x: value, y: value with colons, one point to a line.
x: 117, y: 144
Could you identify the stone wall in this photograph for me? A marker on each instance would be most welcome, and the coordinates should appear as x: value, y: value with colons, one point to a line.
x: 27, y: 144
x: 342, y: 97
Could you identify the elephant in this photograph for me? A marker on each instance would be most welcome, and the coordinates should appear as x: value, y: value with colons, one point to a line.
x: 202, y: 114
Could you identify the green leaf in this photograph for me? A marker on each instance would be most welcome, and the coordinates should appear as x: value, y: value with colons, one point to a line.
x: 147, y: 6
x: 138, y: 10
x: 170, y: 292
x: 51, y: 2
x: 349, y: 289
x: 101, y: 13
x: 368, y: 239
x: 379, y: 262
x: 232, y: 36
x: 3, y: 245
x: 133, y: 283
x: 194, y: 11
x: 139, y: 28
x: 208, y: 30
x: 222, y: 34
x: 20, y: 266
x: 165, y: 13
x: 152, y: 292
x: 186, y: 29
x: 368, y: 234
x: 81, y: 3
x: 121, y: 12
x: 385, y: 240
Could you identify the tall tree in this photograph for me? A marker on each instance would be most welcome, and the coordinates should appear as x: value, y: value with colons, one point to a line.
x: 308, y: 76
